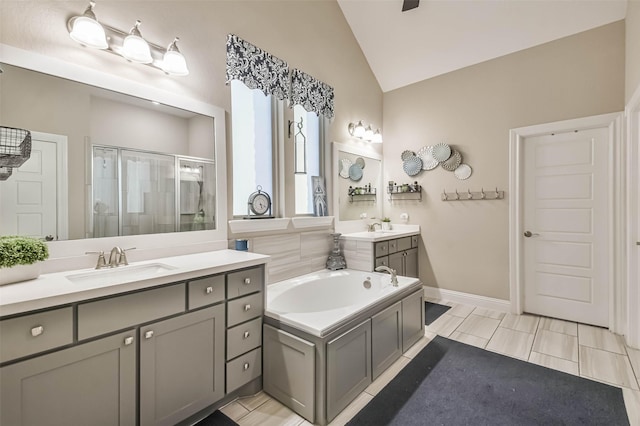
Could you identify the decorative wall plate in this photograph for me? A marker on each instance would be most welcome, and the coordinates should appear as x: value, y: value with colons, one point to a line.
x: 355, y: 172
x: 452, y: 162
x: 360, y: 162
x: 407, y: 154
x: 412, y: 165
x: 343, y: 167
x: 463, y: 171
x: 441, y: 152
x: 426, y: 155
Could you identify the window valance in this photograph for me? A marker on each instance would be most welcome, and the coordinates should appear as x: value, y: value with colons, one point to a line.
x: 256, y: 68
x: 313, y: 94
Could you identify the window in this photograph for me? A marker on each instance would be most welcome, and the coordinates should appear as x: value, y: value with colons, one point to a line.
x: 307, y: 157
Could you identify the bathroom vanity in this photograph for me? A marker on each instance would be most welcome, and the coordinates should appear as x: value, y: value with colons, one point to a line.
x: 161, y: 350
x: 398, y: 250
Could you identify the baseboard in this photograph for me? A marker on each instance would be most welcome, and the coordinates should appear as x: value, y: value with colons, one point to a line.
x: 467, y: 299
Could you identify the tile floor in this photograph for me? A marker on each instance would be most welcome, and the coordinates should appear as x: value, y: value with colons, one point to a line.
x: 583, y: 350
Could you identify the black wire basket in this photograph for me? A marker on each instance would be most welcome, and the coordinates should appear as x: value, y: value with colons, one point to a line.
x: 15, y: 146
x: 5, y: 172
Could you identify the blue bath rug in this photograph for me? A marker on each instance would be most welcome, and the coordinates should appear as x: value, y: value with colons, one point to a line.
x: 450, y: 383
x: 432, y: 311
x: 216, y: 419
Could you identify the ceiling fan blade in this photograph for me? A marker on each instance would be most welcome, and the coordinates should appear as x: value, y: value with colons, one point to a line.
x: 410, y: 4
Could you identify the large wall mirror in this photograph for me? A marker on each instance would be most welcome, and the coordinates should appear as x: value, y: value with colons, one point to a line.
x: 106, y: 163
x: 357, y: 186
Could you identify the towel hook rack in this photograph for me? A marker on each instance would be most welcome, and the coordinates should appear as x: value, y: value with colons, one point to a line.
x: 472, y: 195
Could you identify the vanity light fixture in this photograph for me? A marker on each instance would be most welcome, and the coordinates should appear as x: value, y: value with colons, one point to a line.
x: 358, y: 130
x: 86, y: 30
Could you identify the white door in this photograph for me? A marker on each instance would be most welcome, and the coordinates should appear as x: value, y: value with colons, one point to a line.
x: 566, y: 222
x: 29, y: 195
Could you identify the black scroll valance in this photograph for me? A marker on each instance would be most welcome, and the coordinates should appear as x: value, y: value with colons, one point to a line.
x: 256, y: 68
x: 311, y: 93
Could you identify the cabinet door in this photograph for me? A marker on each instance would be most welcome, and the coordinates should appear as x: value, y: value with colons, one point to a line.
x: 396, y: 262
x: 386, y: 338
x: 411, y: 263
x: 412, y: 319
x: 348, y: 367
x: 181, y: 366
x: 89, y: 384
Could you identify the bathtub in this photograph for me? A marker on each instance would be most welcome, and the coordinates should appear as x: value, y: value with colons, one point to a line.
x: 327, y: 335
x: 320, y: 302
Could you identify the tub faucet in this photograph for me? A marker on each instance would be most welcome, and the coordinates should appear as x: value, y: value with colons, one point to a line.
x: 394, y: 277
x: 372, y: 227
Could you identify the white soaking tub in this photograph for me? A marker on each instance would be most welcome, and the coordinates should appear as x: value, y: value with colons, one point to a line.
x: 328, y: 334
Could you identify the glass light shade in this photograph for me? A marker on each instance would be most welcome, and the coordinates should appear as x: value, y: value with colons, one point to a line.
x: 89, y: 32
x: 359, y: 130
x: 377, y: 137
x: 368, y: 134
x: 136, y: 49
x: 174, y: 62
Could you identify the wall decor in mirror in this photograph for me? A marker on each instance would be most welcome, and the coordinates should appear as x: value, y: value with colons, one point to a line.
x: 104, y: 163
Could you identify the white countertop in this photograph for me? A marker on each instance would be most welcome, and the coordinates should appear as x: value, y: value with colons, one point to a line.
x: 56, y: 289
x: 382, y: 235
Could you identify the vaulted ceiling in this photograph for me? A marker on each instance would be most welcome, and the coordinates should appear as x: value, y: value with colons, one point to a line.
x: 444, y: 35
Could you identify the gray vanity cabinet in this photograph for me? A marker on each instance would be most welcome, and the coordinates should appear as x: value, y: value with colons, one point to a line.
x: 400, y: 254
x: 348, y: 367
x: 405, y: 262
x: 386, y: 338
x: 412, y: 319
x: 89, y: 384
x: 181, y: 366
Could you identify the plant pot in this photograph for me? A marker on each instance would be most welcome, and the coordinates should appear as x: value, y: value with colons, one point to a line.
x: 19, y: 273
x: 386, y: 226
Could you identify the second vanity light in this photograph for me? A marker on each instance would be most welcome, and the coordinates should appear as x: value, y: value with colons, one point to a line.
x: 86, y: 30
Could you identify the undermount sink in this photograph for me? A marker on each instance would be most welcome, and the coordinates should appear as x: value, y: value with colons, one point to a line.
x: 121, y: 273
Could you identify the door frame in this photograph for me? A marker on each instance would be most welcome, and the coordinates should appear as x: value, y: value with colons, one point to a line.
x: 632, y: 115
x: 613, y: 122
x: 62, y: 202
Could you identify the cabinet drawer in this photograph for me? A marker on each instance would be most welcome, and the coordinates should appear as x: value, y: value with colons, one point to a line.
x: 382, y: 261
x: 30, y: 334
x: 382, y: 248
x: 393, y: 246
x: 119, y: 312
x: 404, y: 243
x: 244, y: 337
x: 414, y: 241
x: 244, y: 282
x: 244, y: 369
x: 206, y: 291
x: 241, y: 310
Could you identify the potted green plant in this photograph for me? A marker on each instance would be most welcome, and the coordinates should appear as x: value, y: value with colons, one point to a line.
x: 20, y: 258
x: 386, y: 224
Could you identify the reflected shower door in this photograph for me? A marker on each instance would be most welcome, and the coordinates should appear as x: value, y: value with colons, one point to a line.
x: 197, y: 195
x: 106, y: 200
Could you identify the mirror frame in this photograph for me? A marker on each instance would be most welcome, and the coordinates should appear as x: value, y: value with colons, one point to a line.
x: 346, y: 226
x: 71, y: 71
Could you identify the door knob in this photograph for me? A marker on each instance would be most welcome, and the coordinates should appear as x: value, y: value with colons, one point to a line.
x: 529, y: 234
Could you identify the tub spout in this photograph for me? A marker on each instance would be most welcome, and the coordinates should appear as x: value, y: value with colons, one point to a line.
x: 394, y: 277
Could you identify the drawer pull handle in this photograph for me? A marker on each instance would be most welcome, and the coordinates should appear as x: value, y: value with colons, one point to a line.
x: 36, y: 331
x: 209, y: 290
x: 247, y: 307
x: 148, y: 334
x: 246, y: 335
x: 247, y: 280
x: 128, y: 340
x: 246, y: 366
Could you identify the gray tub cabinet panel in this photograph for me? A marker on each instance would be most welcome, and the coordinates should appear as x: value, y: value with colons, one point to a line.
x: 289, y: 367
x: 386, y: 338
x: 181, y: 365
x: 89, y: 384
x: 412, y: 319
x: 348, y: 367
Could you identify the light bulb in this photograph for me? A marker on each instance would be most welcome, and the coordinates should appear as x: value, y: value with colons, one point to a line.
x: 174, y: 62
x: 359, y: 130
x: 368, y: 134
x: 87, y: 30
x: 377, y: 137
x: 135, y: 48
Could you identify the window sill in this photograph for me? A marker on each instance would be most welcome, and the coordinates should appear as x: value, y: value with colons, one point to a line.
x: 312, y: 221
x: 258, y: 225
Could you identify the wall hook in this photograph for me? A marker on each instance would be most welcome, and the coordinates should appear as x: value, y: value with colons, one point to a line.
x: 457, y: 195
x: 469, y: 194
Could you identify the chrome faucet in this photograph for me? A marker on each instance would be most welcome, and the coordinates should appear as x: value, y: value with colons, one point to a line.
x: 118, y: 256
x: 394, y: 277
x: 372, y: 227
